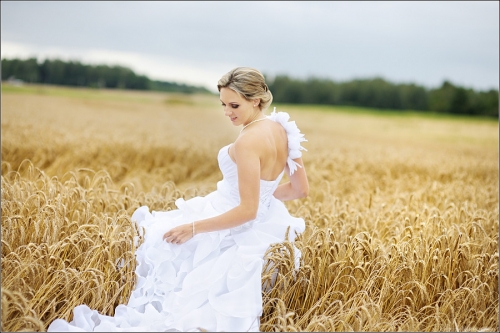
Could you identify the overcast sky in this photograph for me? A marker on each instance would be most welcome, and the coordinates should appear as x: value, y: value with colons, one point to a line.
x: 197, y: 42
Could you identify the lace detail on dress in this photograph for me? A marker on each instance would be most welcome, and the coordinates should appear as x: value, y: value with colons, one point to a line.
x: 294, y: 138
x: 266, y: 192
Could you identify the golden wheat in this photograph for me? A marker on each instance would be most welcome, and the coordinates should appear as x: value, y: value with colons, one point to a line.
x: 402, y: 216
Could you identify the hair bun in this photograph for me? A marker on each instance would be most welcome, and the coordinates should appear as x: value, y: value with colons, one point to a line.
x: 249, y: 83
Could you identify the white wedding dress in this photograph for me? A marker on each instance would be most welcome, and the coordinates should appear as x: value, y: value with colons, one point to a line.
x: 213, y: 281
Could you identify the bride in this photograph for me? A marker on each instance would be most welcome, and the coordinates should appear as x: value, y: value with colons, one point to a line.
x: 199, y: 267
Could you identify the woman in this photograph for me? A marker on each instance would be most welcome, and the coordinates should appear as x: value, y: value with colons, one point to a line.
x: 200, y: 266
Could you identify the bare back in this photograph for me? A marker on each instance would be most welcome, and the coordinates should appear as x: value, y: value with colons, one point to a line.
x: 272, y: 143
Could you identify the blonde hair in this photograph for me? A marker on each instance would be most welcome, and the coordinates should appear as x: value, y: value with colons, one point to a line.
x: 249, y: 83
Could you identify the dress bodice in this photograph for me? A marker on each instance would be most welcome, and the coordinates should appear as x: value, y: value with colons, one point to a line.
x: 229, y: 184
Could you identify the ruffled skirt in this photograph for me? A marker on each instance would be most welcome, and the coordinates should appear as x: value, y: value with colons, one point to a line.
x: 212, y: 282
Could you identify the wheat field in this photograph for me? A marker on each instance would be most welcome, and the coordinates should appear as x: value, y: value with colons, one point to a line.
x: 401, y: 219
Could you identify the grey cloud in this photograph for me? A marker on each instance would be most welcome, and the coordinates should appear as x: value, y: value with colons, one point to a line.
x: 424, y: 42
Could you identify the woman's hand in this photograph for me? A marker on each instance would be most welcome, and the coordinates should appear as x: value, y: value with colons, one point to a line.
x: 179, y: 235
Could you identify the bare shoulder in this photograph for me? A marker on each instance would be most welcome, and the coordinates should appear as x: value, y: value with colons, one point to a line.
x: 279, y: 129
x: 248, y: 141
x: 261, y: 140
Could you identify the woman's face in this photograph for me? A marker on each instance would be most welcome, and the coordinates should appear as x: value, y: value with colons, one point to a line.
x: 236, y: 107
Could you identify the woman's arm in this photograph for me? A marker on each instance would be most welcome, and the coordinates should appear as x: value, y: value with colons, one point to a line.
x: 248, y: 164
x: 297, y: 187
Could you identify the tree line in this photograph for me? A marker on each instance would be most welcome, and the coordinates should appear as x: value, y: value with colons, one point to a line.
x: 372, y: 93
x: 381, y: 94
x: 74, y: 73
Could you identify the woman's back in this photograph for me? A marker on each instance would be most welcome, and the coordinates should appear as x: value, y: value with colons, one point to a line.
x: 271, y: 141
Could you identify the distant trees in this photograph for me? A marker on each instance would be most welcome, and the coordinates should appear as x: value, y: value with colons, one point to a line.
x: 372, y: 93
x: 74, y: 73
x: 378, y: 93
x: 177, y: 87
x: 451, y: 99
x: 26, y: 70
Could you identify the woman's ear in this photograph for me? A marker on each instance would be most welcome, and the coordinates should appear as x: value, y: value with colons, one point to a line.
x: 256, y: 102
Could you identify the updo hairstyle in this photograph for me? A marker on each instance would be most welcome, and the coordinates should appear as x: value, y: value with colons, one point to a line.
x: 249, y: 83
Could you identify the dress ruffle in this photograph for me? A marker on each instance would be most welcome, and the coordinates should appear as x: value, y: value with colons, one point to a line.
x: 212, y: 282
x: 294, y: 138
